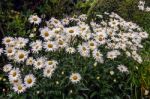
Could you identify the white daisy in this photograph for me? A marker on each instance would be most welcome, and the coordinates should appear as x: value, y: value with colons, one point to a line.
x: 113, y: 54
x: 36, y: 46
x: 98, y: 56
x: 61, y: 43
x: 51, y: 63
x: 48, y: 71
x: 21, y: 56
x: 92, y: 44
x: 19, y: 88
x: 70, y: 50
x: 30, y: 61
x: 15, y: 81
x: 72, y: 31
x: 20, y: 42
x: 10, y: 51
x: 50, y: 46
x: 8, y: 41
x: 14, y: 74
x: 29, y: 80
x: 39, y: 63
x: 46, y: 33
x: 34, y: 19
x: 122, y: 68
x: 75, y: 77
x: 7, y: 67
x: 84, y: 50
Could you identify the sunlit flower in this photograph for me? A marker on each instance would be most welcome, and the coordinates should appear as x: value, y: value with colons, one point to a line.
x: 48, y: 71
x: 34, y: 19
x: 7, y: 67
x: 122, y: 68
x: 19, y: 88
x: 70, y: 50
x: 29, y: 80
x: 21, y: 56
x: 14, y: 74
x: 75, y: 77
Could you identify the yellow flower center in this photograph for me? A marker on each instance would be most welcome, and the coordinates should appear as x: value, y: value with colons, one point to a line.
x: 50, y: 46
x: 75, y: 77
x: 83, y: 48
x: 8, y: 40
x: 35, y: 19
x: 71, y: 31
x: 21, y: 56
x: 91, y: 44
x: 19, y: 87
x: 50, y: 63
x: 29, y: 81
x: 9, y: 50
x: 46, y: 34
x: 14, y: 74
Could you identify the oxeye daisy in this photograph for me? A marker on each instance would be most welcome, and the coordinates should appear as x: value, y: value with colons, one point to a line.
x: 92, y: 44
x: 30, y: 61
x: 84, y: 50
x: 122, y: 68
x: 70, y: 50
x: 19, y: 88
x: 20, y: 42
x: 21, y: 56
x: 14, y: 74
x: 72, y: 31
x: 51, y: 63
x: 50, y: 46
x: 98, y: 56
x: 15, y: 81
x: 48, y: 71
x: 34, y: 19
x: 75, y: 77
x: 9, y: 51
x: 46, y: 33
x: 61, y: 43
x: 36, y: 46
x: 113, y: 54
x: 8, y: 41
x: 57, y: 31
x: 55, y: 22
x: 39, y: 63
x: 29, y: 80
x: 7, y: 67
x: 65, y: 21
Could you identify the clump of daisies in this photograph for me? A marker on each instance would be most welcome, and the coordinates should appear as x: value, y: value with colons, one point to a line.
x: 110, y: 39
x: 141, y: 6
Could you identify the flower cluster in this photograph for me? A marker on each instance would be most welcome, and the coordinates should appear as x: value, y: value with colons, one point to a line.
x: 142, y: 7
x: 108, y: 40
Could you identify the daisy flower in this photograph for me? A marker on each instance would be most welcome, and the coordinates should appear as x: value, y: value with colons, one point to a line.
x: 92, y: 44
x: 21, y: 56
x: 10, y: 51
x: 20, y: 42
x: 36, y: 46
x: 61, y: 43
x: 84, y: 50
x: 29, y: 80
x: 50, y: 46
x: 46, y: 33
x: 113, y: 54
x: 14, y: 74
x: 72, y: 31
x: 39, y: 63
x: 30, y: 61
x: 75, y: 77
x: 19, y: 88
x: 65, y: 21
x: 8, y: 41
x: 98, y: 56
x: 34, y: 19
x: 55, y: 22
x: 15, y: 81
x: 70, y: 50
x: 122, y: 68
x: 51, y: 63
x: 48, y: 71
x: 7, y: 67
